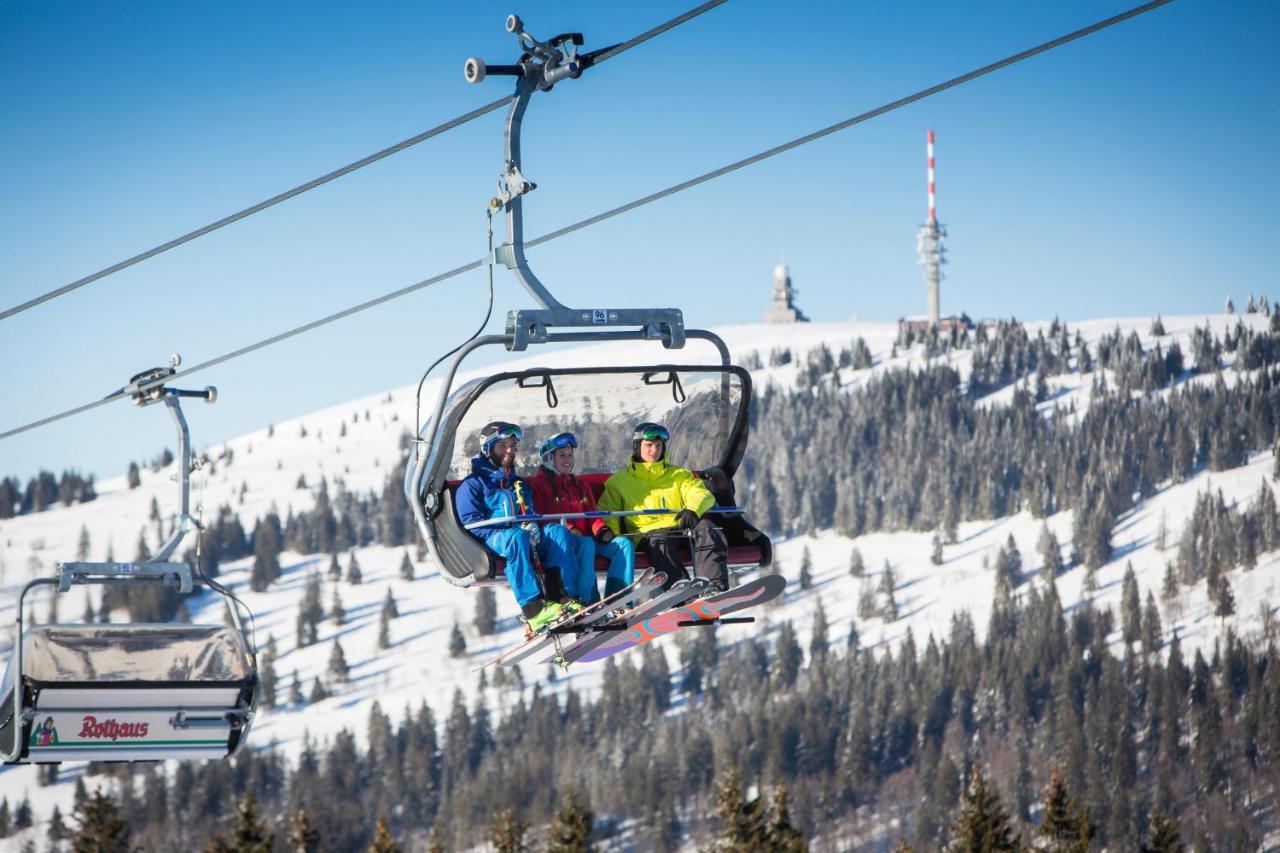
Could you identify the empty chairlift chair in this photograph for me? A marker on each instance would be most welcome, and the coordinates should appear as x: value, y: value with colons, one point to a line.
x: 131, y: 691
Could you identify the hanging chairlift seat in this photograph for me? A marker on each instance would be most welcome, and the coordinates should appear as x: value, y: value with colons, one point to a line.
x: 136, y: 692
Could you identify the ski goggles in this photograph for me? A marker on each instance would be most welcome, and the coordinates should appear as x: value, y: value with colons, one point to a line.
x: 652, y: 432
x: 563, y: 439
x: 493, y: 432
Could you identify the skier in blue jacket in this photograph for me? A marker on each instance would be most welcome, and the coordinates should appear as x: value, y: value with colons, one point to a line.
x: 494, y: 491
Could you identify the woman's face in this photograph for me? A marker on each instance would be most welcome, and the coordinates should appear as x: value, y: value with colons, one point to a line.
x: 562, y: 459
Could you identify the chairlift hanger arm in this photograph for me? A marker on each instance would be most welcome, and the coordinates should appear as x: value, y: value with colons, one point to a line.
x: 541, y: 66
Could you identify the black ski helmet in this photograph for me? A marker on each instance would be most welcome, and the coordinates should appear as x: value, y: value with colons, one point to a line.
x: 653, y: 432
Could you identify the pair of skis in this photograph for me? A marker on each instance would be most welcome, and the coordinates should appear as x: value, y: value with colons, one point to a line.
x: 650, y: 612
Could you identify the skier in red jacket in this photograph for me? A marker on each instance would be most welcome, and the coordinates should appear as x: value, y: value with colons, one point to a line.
x: 557, y: 490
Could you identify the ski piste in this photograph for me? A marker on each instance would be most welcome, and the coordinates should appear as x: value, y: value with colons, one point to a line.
x: 664, y: 600
x: 640, y: 590
x: 701, y: 611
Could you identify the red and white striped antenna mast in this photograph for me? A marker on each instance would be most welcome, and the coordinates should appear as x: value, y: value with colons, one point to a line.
x: 929, y: 240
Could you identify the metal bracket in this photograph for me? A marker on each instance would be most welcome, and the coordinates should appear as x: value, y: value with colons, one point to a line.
x: 532, y: 326
x: 70, y: 574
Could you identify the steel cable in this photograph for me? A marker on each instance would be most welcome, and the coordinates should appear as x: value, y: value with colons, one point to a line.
x: 608, y: 214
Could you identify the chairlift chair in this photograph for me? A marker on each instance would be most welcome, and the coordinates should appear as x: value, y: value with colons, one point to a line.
x: 131, y: 692
x: 708, y: 404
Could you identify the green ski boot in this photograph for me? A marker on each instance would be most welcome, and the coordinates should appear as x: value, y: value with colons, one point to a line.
x: 550, y: 612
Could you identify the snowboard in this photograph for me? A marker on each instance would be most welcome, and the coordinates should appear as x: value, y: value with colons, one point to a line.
x: 584, y: 621
x: 648, y: 626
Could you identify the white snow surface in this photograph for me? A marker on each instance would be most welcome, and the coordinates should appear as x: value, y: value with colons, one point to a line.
x: 417, y: 666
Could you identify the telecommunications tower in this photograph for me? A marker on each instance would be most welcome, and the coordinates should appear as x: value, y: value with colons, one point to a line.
x: 929, y: 244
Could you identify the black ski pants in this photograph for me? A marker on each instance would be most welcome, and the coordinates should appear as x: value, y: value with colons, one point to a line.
x: 709, y: 546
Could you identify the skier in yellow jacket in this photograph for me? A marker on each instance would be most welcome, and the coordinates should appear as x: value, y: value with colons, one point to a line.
x: 650, y: 482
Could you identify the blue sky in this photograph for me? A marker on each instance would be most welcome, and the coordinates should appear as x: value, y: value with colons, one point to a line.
x: 1126, y: 174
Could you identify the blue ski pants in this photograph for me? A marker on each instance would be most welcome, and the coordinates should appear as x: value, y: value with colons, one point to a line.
x: 621, y: 555
x: 554, y: 550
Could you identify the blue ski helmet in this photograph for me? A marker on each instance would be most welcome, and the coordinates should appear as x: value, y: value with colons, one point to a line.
x: 551, y: 445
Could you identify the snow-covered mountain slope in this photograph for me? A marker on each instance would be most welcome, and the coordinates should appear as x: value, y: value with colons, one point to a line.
x: 358, y: 444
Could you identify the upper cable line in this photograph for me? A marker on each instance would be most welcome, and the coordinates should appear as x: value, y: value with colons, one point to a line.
x: 639, y: 202
x: 589, y: 59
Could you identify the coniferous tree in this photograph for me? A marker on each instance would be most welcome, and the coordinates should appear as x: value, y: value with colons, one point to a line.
x: 457, y: 642
x: 1224, y: 600
x: 57, y: 830
x: 1163, y: 835
x: 570, y: 830
x: 337, y: 612
x: 507, y: 833
x: 486, y: 617
x: 743, y: 824
x: 338, y: 669
x: 856, y: 567
x: 983, y: 825
x: 250, y: 835
x: 354, y: 575
x: 889, y: 606
x: 101, y: 827
x: 781, y: 836
x: 5, y: 816
x: 935, y: 555
x: 82, y: 544
x: 406, y: 567
x: 818, y: 641
x: 266, y: 553
x: 1064, y: 827
x: 319, y: 692
x: 384, y: 629
x: 806, y: 569
x: 303, y: 835
x: 310, y: 613
x: 295, y: 690
x: 1169, y: 589
x: 1130, y: 607
x: 335, y: 569
x: 134, y: 477
x: 1152, y: 631
x: 22, y: 814
x: 267, y: 673
x: 867, y: 601
x: 382, y: 840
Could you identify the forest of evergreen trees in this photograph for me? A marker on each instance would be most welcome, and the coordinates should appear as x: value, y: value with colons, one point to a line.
x: 869, y: 745
x: 1130, y: 751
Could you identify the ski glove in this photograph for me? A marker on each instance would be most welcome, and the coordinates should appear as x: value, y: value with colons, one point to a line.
x: 686, y: 519
x: 604, y: 536
x: 535, y: 533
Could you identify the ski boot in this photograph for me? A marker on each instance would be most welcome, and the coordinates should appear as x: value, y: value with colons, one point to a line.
x: 543, y: 619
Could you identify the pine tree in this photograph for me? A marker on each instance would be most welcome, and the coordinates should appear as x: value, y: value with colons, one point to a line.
x: 570, y: 830
x: 87, y: 616
x: 338, y: 669
x: 406, y: 567
x: 866, y: 601
x: 82, y: 544
x: 354, y: 575
x: 457, y: 642
x: 266, y: 553
x: 267, y: 673
x: 744, y: 823
x: 782, y: 836
x: 983, y: 825
x: 295, y: 690
x: 101, y: 829
x: 310, y: 612
x: 337, y: 612
x: 507, y: 833
x: 1130, y: 607
x: 22, y: 814
x: 249, y: 834
x: 134, y: 476
x: 303, y: 836
x: 384, y: 629
x: 1152, y: 631
x: 806, y: 569
x: 4, y: 815
x: 1163, y: 835
x: 818, y: 641
x: 889, y: 609
x: 856, y: 567
x: 935, y: 555
x: 142, y: 552
x: 57, y: 830
x: 1064, y: 827
x: 319, y: 692
x: 382, y: 840
x: 486, y: 617
x: 1224, y: 600
x: 335, y: 568
x: 1169, y: 589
